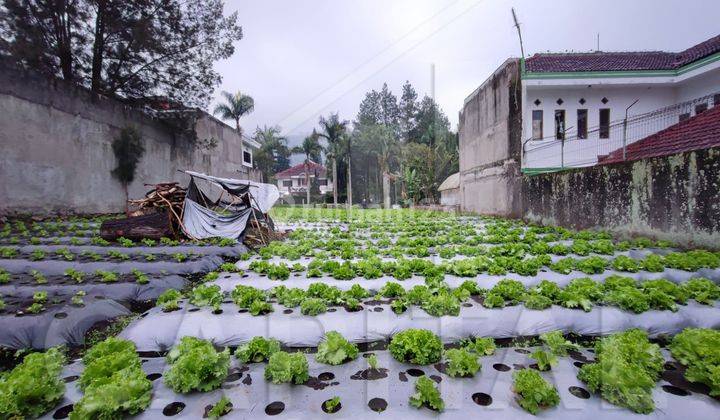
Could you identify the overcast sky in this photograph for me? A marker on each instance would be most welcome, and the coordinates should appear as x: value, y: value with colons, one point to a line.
x: 303, y: 59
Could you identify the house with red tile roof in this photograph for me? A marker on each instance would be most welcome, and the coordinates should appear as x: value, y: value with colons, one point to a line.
x: 579, y: 106
x: 292, y: 181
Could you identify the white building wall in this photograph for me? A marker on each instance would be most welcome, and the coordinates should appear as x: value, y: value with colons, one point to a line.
x: 652, y: 94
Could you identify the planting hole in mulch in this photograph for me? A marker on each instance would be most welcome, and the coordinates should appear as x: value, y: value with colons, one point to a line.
x: 63, y: 412
x: 193, y: 309
x: 522, y: 351
x: 287, y: 311
x: 467, y: 305
x: 378, y: 405
x: 332, y: 309
x: 578, y: 364
x: 371, y: 374
x: 415, y: 372
x: 402, y: 376
x: 441, y: 367
x: 154, y: 376
x: 274, y: 408
x: 518, y: 366
x: 501, y: 367
x: 173, y: 409
x: 579, y: 392
x: 436, y: 378
x: 670, y: 389
x: 247, y: 380
x: 378, y: 309
x: 334, y: 410
x: 69, y: 379
x: 326, y: 376
x: 481, y: 398
x: 60, y: 315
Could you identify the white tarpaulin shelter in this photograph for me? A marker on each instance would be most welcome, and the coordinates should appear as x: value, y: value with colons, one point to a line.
x: 227, y: 216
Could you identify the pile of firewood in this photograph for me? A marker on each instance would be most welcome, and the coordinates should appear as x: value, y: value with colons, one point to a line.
x: 168, y: 195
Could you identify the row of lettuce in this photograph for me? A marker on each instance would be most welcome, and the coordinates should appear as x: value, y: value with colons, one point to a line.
x: 438, y: 299
x: 625, y: 372
x: 402, y: 269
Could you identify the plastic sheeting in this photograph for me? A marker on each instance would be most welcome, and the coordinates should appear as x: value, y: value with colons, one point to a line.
x: 121, y: 291
x: 201, y: 223
x: 264, y: 194
x: 234, y: 250
x: 58, y: 325
x: 159, y: 330
x: 203, y: 264
x: 250, y: 394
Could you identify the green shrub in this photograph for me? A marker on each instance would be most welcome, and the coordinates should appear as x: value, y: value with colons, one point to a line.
x: 313, y: 306
x: 699, y: 350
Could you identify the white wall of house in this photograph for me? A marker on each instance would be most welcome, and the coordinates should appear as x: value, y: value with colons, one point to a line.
x: 296, y: 184
x: 652, y: 93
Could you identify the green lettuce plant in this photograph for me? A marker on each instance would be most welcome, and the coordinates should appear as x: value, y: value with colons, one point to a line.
x: 334, y: 349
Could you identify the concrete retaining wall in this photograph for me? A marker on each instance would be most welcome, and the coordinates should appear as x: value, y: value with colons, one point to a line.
x: 674, y: 198
x: 57, y: 155
x: 489, y: 128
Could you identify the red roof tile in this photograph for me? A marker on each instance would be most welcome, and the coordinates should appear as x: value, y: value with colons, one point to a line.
x: 620, y: 61
x: 299, y: 169
x: 696, y: 133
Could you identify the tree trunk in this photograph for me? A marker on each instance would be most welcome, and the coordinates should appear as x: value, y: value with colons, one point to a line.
x: 386, y: 189
x: 151, y: 226
x: 307, y: 183
x: 334, y: 181
x: 98, y: 47
x: 349, y: 182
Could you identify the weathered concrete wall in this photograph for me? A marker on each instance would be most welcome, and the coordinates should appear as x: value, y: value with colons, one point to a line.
x: 57, y: 155
x: 490, y: 127
x: 675, y: 198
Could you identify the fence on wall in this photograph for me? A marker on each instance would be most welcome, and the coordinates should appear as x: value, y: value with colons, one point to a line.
x: 577, y: 149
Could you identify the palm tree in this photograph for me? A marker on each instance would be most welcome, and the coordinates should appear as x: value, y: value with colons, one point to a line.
x: 332, y: 130
x: 273, y: 155
x: 311, y: 148
x: 235, y: 107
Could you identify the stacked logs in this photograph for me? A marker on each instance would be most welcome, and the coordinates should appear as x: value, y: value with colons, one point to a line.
x: 164, y: 196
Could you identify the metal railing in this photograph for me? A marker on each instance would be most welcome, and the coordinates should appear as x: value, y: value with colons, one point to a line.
x: 550, y: 154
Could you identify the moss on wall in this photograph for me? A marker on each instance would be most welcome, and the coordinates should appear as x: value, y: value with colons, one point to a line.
x: 675, y: 198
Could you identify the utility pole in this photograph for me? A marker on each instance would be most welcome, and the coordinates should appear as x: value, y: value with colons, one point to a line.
x: 517, y: 25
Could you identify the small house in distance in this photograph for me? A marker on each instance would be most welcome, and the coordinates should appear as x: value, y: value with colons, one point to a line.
x: 450, y: 190
x: 292, y: 181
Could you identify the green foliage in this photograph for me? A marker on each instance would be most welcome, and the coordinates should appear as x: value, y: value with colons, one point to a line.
x: 373, y: 361
x: 699, y: 350
x: 169, y: 299
x: 220, y: 408
x: 626, y: 370
x: 653, y: 263
x: 106, y: 276
x: 416, y: 346
x: 260, y: 307
x: 702, y: 290
x: 114, y: 383
x: 536, y: 301
x: 291, y: 297
x: 392, y: 289
x: 442, y: 303
x: 461, y: 362
x: 258, y: 349
x: 493, y: 300
x: 286, y: 367
x: 75, y: 275
x: 557, y: 344
x: 483, y: 346
x: 580, y: 293
x: 244, y: 296
x: 399, y: 305
x: 196, y: 365
x: 427, y: 394
x: 544, y: 359
x: 332, y: 403
x: 510, y: 290
x: 624, y: 263
x: 33, y: 387
x: 313, y: 306
x: 534, y: 392
x: 334, y: 349
x: 592, y: 265
x: 206, y: 295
